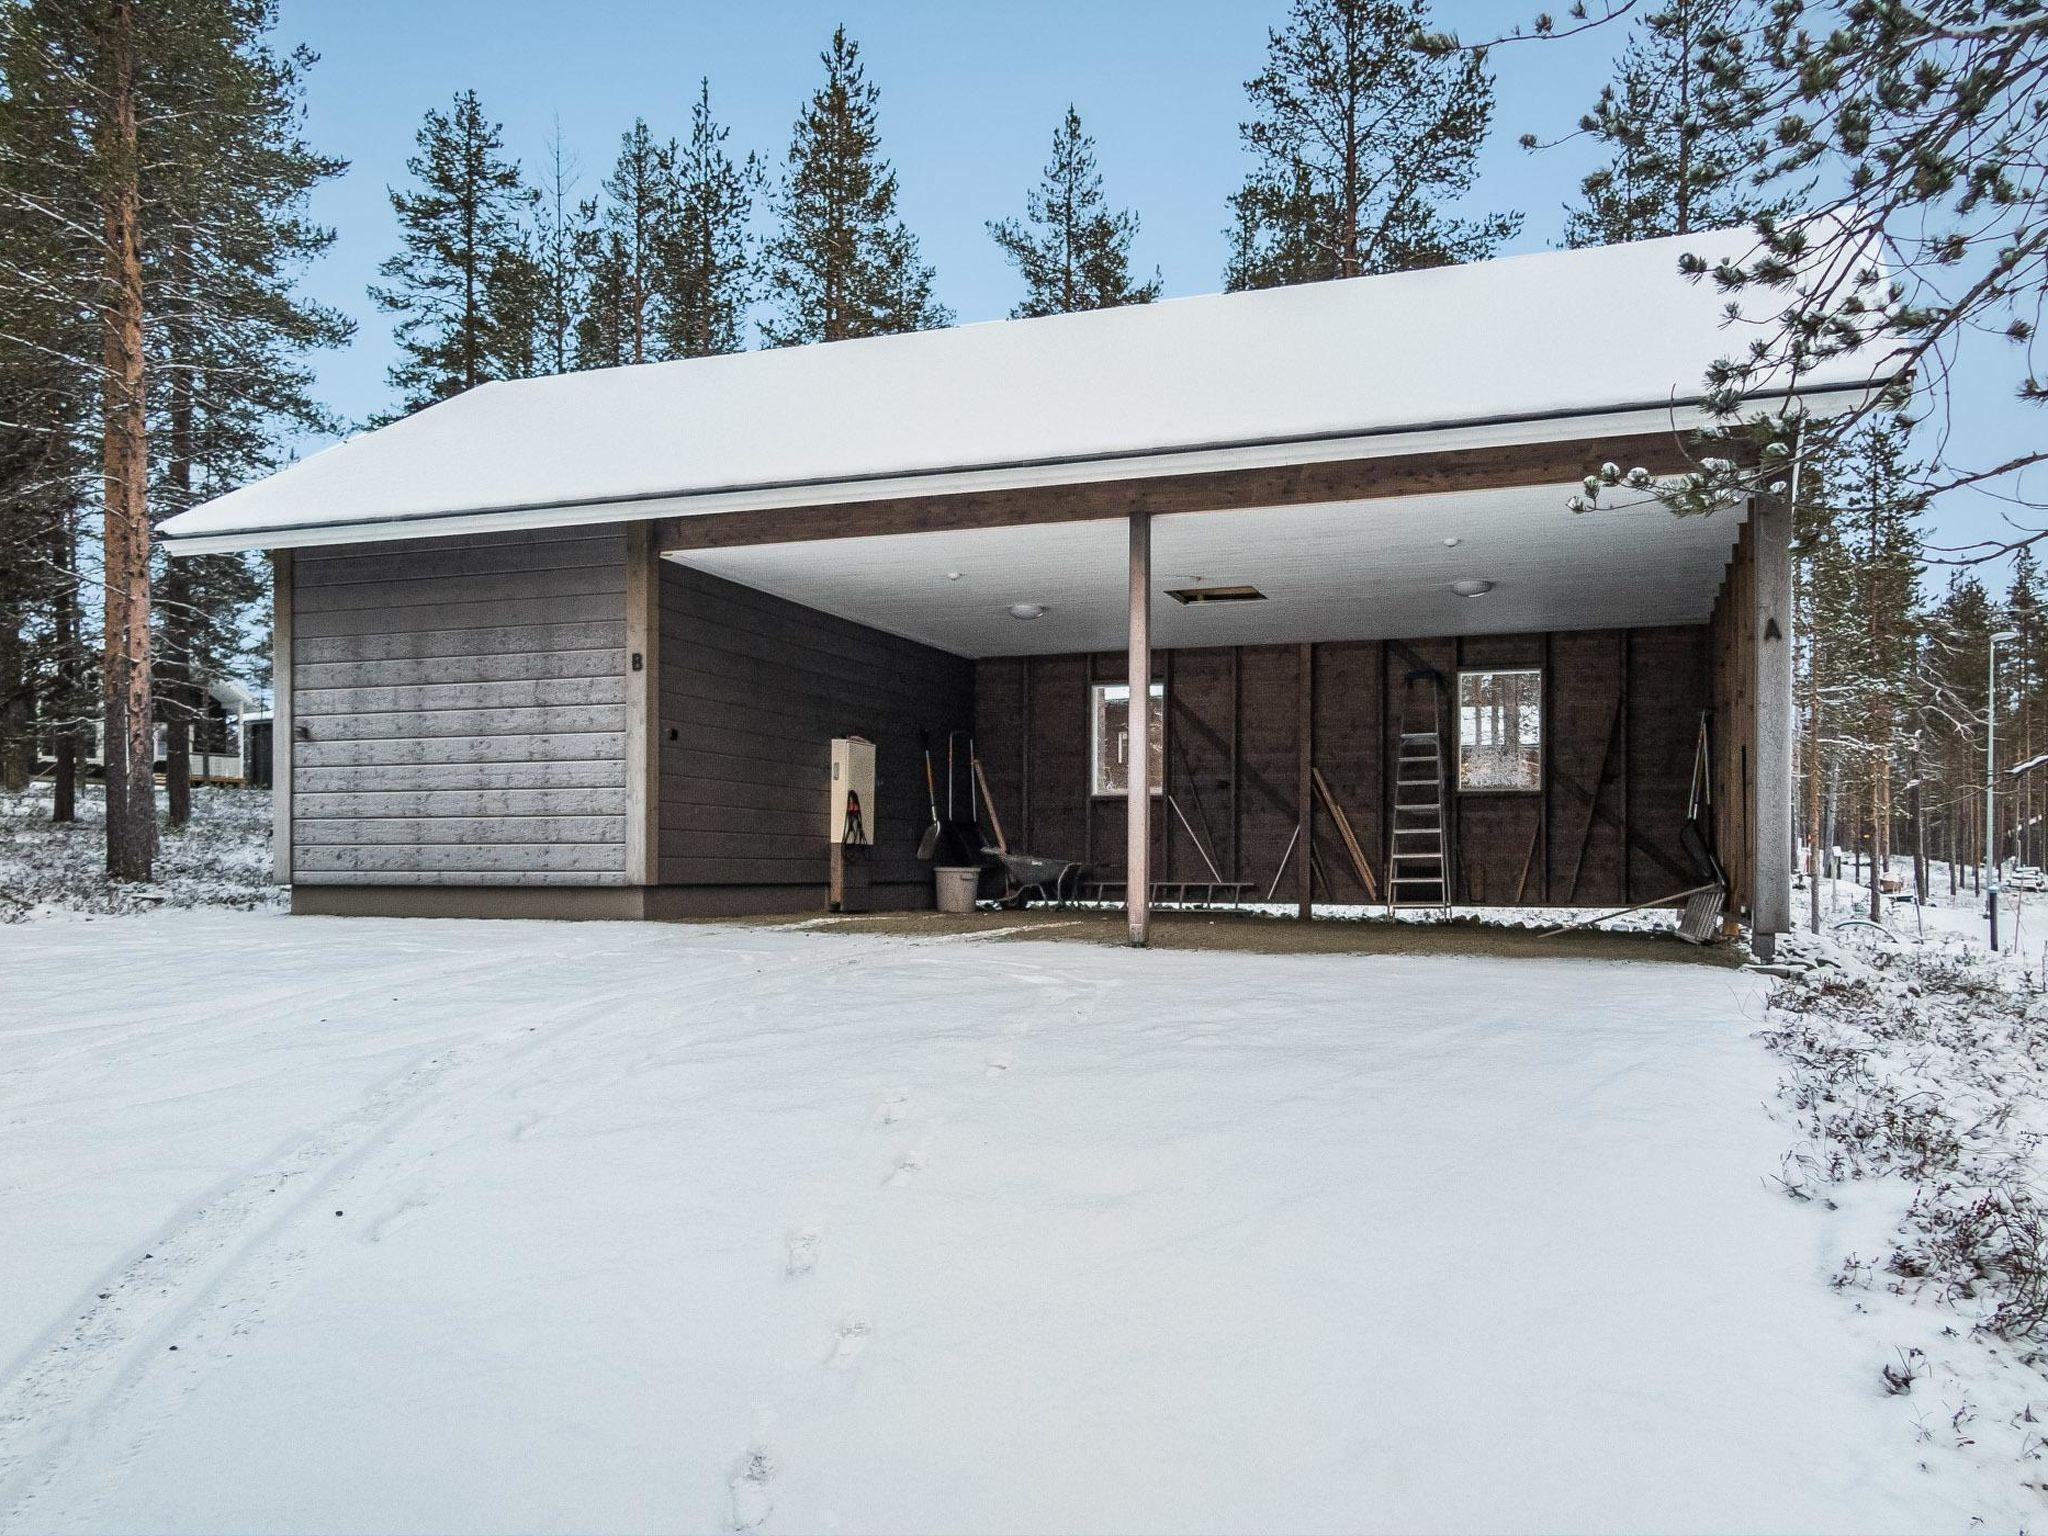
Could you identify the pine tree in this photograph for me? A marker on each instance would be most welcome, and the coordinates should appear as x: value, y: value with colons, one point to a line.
x: 2022, y: 664
x: 453, y: 269
x: 1071, y: 250
x: 231, y: 175
x: 1679, y: 129
x: 560, y: 231
x: 1359, y: 140
x: 153, y: 181
x: 843, y: 264
x: 628, y: 230
x: 707, y: 256
x: 48, y: 405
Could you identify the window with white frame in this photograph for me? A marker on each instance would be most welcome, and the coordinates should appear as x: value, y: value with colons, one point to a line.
x: 1500, y: 731
x: 1109, y: 707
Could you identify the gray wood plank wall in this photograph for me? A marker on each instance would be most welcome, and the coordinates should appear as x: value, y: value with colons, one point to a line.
x: 753, y: 689
x: 459, y: 711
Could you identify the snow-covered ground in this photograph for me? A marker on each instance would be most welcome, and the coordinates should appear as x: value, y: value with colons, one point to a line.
x: 220, y: 859
x: 352, y: 1224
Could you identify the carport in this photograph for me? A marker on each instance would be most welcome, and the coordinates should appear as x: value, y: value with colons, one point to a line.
x: 578, y: 646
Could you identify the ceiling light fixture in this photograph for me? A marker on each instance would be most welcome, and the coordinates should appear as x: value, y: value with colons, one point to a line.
x: 1027, y: 610
x: 1452, y: 543
x: 1471, y: 586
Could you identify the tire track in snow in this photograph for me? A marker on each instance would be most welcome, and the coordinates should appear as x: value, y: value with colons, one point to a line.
x: 225, y: 1255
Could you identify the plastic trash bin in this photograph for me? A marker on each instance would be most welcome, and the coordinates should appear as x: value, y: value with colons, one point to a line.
x: 956, y: 888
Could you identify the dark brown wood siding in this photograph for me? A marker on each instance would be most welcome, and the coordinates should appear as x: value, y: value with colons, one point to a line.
x: 753, y: 689
x: 1623, y: 710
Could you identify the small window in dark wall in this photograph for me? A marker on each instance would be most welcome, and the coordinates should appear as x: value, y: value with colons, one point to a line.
x: 1109, y: 711
x: 1500, y: 731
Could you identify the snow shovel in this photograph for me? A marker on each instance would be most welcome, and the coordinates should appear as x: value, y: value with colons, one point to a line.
x: 929, y: 843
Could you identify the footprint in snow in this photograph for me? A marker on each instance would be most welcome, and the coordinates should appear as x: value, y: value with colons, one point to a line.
x: 751, y: 1503
x: 401, y: 1214
x: 1000, y: 1063
x: 893, y: 1108
x: 750, y: 1475
x: 853, y: 1338
x: 802, y: 1257
x: 908, y: 1166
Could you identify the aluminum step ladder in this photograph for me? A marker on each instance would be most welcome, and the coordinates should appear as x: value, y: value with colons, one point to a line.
x: 1418, y: 851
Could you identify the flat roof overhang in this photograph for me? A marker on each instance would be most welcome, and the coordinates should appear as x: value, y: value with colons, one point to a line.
x: 1372, y: 569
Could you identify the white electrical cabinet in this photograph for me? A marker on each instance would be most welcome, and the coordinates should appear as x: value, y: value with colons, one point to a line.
x: 851, y: 812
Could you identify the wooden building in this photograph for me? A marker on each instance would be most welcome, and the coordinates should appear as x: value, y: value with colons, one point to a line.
x: 578, y: 646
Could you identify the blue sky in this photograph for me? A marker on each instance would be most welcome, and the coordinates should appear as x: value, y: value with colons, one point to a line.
x: 970, y: 96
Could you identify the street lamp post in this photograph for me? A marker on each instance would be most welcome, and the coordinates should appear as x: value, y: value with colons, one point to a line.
x: 1991, y: 860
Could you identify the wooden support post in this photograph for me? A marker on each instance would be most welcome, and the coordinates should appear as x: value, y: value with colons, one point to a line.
x: 1138, y: 780
x: 643, y: 705
x: 281, y: 726
x: 1236, y: 768
x: 1304, y: 895
x: 1771, y: 833
x: 1024, y: 764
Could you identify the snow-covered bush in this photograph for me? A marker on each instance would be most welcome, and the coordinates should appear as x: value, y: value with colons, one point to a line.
x: 1929, y: 1064
x: 221, y: 859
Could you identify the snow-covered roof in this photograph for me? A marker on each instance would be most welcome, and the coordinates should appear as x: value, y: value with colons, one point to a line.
x: 1525, y: 348
x: 230, y: 694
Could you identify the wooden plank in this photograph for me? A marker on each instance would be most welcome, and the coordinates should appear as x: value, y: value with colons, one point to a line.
x: 410, y: 725
x: 357, y: 831
x: 468, y: 877
x: 784, y: 841
x: 559, y: 747
x: 582, y: 608
x: 418, y: 803
x: 424, y: 698
x: 282, y: 716
x: 444, y: 671
x: 704, y: 816
x: 1599, y: 778
x: 433, y: 592
x: 546, y: 586
x: 486, y: 640
x: 746, y: 871
x: 1343, y: 823
x: 330, y: 568
x: 988, y: 804
x: 602, y: 774
x: 512, y: 858
x: 1407, y: 474
x: 679, y: 791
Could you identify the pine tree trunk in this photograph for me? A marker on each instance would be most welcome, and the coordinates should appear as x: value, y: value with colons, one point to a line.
x: 1816, y: 860
x: 130, y: 758
x: 17, y: 730
x: 1921, y: 880
x: 65, y: 632
x: 177, y: 687
x: 178, y: 771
